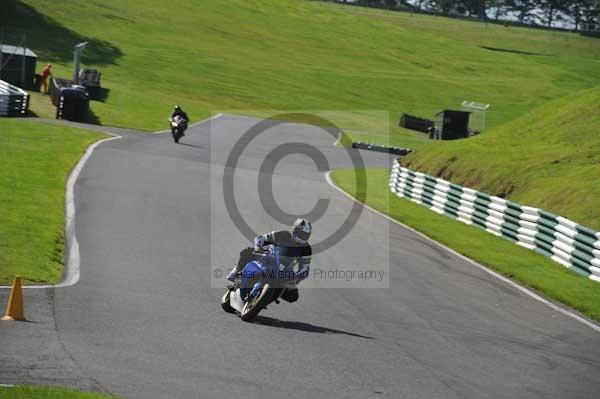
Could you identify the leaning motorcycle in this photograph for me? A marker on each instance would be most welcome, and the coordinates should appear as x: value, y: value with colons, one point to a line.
x: 178, y: 124
x: 273, y: 271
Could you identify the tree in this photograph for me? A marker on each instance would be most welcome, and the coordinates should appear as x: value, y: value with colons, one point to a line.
x: 523, y: 8
x: 474, y: 7
x: 441, y: 6
x: 551, y: 8
x: 497, y: 8
x: 581, y: 11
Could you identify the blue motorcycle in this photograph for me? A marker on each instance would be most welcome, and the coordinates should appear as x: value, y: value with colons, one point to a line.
x: 271, y: 273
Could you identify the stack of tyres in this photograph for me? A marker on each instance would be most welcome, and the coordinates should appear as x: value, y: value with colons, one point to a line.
x: 90, y: 78
x: 73, y: 104
x: 415, y: 123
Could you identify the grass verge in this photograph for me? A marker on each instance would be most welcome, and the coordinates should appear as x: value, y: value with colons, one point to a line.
x: 549, y: 159
x: 529, y: 268
x: 41, y: 106
x: 34, y: 392
x: 35, y: 161
x: 292, y: 54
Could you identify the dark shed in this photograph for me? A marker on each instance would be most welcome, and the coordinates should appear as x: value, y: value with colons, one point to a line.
x: 452, y: 125
x: 17, y: 65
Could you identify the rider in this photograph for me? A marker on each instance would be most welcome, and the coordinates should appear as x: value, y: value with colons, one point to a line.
x: 177, y: 111
x: 297, y: 236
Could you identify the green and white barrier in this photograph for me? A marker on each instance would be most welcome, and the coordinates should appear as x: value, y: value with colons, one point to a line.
x: 566, y: 242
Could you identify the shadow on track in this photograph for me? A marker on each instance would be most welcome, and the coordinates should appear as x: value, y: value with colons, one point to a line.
x: 192, y: 145
x: 296, y: 325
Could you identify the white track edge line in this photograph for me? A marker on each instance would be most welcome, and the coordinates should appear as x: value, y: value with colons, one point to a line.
x: 71, y: 270
x: 510, y: 282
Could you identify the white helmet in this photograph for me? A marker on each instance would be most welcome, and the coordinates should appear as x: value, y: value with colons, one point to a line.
x: 301, y: 230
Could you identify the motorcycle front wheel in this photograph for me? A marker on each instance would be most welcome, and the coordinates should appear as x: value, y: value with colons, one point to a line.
x: 255, y: 305
x: 225, y: 302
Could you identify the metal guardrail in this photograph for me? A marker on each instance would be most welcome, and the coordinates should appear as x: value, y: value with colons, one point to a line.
x: 564, y: 241
x: 380, y: 148
x: 14, y: 101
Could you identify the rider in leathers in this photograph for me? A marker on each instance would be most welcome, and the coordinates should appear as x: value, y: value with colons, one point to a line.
x: 178, y: 111
x: 297, y: 236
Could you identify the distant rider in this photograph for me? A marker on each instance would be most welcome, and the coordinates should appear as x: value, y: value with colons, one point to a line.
x: 297, y: 236
x: 177, y: 111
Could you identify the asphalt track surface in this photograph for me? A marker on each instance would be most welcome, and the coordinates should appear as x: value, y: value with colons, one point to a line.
x: 144, y: 321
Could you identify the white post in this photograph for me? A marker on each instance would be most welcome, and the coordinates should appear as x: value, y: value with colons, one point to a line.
x: 23, y: 63
x: 76, y: 58
x: 1, y: 65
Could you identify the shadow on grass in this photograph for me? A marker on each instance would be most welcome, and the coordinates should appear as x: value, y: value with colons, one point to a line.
x: 53, y: 41
x: 91, y: 118
x: 99, y: 94
x: 505, y: 50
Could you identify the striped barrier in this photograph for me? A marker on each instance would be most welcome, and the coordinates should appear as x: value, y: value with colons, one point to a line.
x: 14, y: 101
x: 564, y: 241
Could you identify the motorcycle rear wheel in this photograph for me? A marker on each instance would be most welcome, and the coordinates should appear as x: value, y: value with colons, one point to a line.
x: 252, y: 307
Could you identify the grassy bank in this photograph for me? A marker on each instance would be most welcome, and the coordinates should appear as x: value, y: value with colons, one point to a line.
x: 294, y: 54
x: 35, y: 161
x: 549, y: 158
x: 520, y: 264
x: 31, y: 392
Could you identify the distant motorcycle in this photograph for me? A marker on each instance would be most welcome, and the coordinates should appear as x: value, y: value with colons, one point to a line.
x: 265, y: 279
x: 178, y: 126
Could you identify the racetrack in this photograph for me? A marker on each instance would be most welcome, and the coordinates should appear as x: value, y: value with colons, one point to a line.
x: 144, y: 321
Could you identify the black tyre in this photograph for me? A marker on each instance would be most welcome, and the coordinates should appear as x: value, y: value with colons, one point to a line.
x: 253, y: 307
x: 225, y: 302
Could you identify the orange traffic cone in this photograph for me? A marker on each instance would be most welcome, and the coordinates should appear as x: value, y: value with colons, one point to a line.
x: 15, y: 309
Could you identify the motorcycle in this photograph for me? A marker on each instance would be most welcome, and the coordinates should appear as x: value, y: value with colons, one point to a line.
x: 178, y: 126
x: 275, y: 270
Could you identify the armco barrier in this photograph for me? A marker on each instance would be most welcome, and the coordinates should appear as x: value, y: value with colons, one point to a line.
x: 566, y: 242
x: 381, y: 148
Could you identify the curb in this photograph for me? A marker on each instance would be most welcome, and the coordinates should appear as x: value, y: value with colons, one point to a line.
x: 508, y: 281
x: 71, y: 272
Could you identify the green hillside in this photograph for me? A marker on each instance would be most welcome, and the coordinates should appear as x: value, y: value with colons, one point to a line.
x: 549, y: 158
x: 295, y: 54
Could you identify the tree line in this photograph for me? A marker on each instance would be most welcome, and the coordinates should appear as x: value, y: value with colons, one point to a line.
x: 549, y: 13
